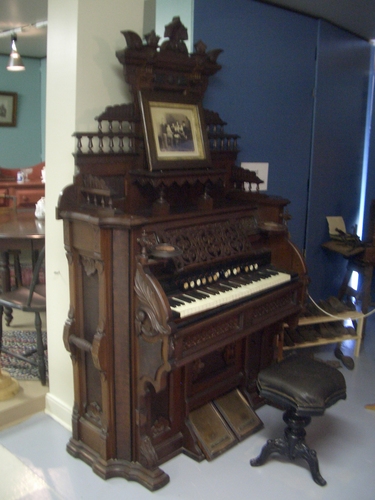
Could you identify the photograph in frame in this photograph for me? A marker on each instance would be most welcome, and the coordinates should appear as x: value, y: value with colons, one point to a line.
x: 175, y: 133
x: 8, y: 109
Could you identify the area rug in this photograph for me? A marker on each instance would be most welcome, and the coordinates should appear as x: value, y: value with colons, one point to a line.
x: 21, y: 342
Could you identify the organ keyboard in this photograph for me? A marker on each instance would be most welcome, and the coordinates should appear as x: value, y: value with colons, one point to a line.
x: 180, y: 280
x: 221, y: 292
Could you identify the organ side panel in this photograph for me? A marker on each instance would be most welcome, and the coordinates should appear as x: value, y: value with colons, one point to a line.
x: 88, y: 335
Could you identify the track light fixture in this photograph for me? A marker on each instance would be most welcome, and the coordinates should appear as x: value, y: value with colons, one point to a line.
x: 15, y: 62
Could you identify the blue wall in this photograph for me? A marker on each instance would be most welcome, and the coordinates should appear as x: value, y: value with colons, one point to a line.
x: 23, y: 145
x: 265, y: 89
x: 339, y: 133
x: 295, y: 89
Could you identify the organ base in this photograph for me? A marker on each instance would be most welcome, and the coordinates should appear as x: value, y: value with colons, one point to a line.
x: 152, y: 479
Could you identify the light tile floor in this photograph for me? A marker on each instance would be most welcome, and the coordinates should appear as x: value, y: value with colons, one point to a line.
x: 35, y: 464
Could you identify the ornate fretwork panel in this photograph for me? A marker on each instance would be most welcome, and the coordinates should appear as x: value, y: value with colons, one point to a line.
x: 208, y: 243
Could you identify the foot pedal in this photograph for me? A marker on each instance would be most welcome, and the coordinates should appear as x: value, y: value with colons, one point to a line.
x: 213, y: 434
x: 239, y: 415
x: 222, y: 423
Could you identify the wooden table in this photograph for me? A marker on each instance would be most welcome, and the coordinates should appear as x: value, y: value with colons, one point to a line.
x: 19, y: 230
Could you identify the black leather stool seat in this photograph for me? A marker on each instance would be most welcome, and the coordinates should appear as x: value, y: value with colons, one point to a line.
x: 303, y: 383
x: 304, y: 387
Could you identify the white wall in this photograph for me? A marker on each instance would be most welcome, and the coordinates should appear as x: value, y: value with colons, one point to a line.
x: 149, y: 16
x: 83, y: 77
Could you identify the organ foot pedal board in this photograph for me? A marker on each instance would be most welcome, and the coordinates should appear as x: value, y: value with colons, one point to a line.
x: 222, y: 423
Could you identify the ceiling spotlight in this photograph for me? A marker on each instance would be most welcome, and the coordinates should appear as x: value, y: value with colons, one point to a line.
x: 15, y: 60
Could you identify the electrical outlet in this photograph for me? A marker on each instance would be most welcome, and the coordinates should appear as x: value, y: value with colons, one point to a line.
x: 261, y: 170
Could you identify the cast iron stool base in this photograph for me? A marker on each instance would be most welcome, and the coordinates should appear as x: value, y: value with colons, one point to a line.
x: 292, y: 445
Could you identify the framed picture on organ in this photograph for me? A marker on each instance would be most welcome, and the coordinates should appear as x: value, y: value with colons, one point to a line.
x: 175, y: 132
x: 8, y: 109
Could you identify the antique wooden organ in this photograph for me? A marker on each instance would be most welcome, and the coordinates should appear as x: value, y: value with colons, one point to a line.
x: 180, y: 279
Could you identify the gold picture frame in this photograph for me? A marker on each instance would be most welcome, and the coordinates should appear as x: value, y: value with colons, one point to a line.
x: 8, y: 109
x: 175, y: 132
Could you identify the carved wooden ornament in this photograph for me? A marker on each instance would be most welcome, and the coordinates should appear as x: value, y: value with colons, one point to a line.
x: 152, y: 330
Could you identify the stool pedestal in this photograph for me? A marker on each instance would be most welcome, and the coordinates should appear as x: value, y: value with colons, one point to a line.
x: 292, y: 445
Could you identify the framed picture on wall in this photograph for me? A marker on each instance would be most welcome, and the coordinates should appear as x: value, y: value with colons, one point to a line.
x: 175, y: 132
x: 8, y: 109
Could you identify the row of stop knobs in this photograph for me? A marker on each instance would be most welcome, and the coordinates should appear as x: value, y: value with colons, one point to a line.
x: 214, y: 276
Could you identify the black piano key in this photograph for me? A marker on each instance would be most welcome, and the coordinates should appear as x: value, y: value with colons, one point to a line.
x: 180, y: 300
x: 264, y: 274
x: 173, y: 302
x: 210, y: 292
x: 234, y: 284
x: 226, y: 286
x: 220, y: 288
x: 239, y: 280
x: 198, y: 294
x: 252, y: 278
x: 272, y: 272
x: 214, y: 288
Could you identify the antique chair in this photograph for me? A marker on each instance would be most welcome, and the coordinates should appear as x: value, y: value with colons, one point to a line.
x: 33, y: 300
x: 303, y: 387
x: 8, y: 203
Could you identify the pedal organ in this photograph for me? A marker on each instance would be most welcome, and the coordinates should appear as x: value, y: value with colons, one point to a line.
x: 180, y: 280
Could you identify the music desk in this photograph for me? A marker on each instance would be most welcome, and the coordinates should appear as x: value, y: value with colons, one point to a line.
x: 19, y: 230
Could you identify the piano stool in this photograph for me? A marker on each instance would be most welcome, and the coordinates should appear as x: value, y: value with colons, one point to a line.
x: 304, y: 387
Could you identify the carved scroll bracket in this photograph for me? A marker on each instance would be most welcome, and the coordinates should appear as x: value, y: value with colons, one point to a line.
x: 152, y: 329
x: 97, y: 349
x: 69, y: 329
x: 99, y: 352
